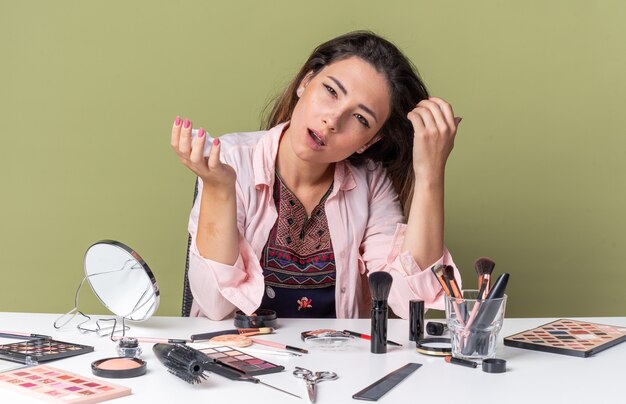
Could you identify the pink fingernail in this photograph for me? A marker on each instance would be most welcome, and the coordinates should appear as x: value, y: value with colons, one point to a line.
x: 186, y: 123
x: 216, y: 142
x: 177, y: 121
x: 200, y: 133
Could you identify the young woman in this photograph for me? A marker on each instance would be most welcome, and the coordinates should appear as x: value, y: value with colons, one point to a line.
x: 294, y: 217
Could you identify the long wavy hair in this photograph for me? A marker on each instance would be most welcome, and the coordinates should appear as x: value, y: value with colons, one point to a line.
x: 395, y: 148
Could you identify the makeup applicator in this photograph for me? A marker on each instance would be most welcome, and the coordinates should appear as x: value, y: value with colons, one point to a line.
x: 448, y: 276
x: 459, y: 306
x: 380, y: 285
x: 437, y: 270
x: 484, y: 268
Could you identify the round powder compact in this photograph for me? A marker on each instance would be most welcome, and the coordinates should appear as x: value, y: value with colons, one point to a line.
x: 231, y: 340
x: 262, y: 318
x: 118, y: 368
x: 434, y: 346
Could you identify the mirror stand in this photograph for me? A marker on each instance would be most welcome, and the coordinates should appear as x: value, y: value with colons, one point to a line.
x: 129, y: 291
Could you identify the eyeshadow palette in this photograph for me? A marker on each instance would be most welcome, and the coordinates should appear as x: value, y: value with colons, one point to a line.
x: 241, y: 361
x: 569, y: 337
x: 41, y: 350
x: 59, y: 386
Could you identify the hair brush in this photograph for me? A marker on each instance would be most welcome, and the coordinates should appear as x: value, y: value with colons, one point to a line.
x: 183, y: 361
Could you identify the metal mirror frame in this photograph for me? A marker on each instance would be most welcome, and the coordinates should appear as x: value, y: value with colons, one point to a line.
x: 152, y: 288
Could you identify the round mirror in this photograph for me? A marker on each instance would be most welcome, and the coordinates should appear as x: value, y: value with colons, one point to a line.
x: 122, y: 280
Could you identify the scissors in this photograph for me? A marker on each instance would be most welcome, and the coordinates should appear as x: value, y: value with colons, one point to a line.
x: 312, y: 378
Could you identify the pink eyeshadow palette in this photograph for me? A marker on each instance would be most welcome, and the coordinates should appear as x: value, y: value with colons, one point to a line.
x: 242, y: 362
x: 60, y: 386
x: 569, y: 337
x: 41, y: 350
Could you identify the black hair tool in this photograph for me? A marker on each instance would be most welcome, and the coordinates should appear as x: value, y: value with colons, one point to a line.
x: 190, y: 364
x: 380, y: 286
x: 183, y: 361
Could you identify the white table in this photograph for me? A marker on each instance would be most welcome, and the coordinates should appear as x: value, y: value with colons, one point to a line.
x: 531, y: 376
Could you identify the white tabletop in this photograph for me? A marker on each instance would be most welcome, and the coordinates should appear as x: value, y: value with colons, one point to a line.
x: 531, y: 376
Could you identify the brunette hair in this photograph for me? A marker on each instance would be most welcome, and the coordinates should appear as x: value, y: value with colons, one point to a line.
x: 395, y: 148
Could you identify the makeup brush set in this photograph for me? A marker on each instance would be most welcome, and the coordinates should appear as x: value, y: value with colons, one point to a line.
x: 474, y: 316
x: 484, y: 268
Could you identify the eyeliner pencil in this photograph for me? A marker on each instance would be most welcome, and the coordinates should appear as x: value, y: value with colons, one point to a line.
x: 367, y: 337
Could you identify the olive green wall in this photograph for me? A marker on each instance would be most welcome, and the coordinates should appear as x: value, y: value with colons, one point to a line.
x: 88, y: 91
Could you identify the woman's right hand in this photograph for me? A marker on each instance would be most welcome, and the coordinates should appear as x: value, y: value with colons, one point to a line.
x: 214, y: 174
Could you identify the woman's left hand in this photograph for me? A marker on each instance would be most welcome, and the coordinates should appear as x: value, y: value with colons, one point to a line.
x: 435, y: 128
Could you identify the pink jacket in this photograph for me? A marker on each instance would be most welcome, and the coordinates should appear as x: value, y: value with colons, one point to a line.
x: 365, y: 223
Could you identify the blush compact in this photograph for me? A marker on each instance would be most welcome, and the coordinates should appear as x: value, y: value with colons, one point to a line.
x: 118, y: 368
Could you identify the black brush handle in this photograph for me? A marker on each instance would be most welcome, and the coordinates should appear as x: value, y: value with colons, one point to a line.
x: 378, y: 343
x: 497, y: 292
x: 380, y: 286
x: 484, y: 317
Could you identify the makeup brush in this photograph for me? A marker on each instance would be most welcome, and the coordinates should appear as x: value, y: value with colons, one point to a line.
x: 380, y: 286
x: 448, y: 276
x: 247, y: 332
x: 484, y: 268
x: 437, y: 270
x: 183, y: 361
x: 455, y: 291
